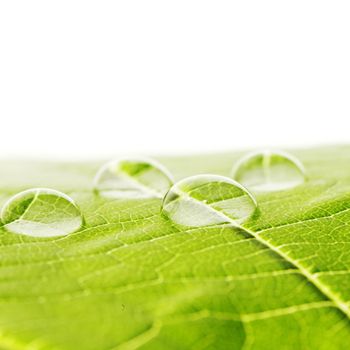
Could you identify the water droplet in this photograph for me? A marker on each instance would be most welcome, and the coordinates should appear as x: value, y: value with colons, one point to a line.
x: 205, y: 200
x: 269, y: 171
x: 41, y: 212
x: 133, y: 178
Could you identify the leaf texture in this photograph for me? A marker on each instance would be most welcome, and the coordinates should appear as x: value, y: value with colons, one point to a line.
x: 131, y: 279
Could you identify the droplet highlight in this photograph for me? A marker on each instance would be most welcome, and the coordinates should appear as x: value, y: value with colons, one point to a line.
x: 268, y: 171
x: 205, y: 200
x: 41, y: 212
x: 133, y: 178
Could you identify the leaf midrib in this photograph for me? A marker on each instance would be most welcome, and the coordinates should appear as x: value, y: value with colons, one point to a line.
x: 321, y: 287
x: 324, y: 289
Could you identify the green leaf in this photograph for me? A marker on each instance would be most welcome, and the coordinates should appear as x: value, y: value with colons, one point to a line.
x: 131, y: 279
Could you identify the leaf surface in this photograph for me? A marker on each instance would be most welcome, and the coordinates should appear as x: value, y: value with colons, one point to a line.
x: 131, y: 279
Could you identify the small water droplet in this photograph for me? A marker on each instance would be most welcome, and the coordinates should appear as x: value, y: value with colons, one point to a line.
x: 133, y: 178
x: 267, y: 171
x: 204, y: 200
x: 41, y: 212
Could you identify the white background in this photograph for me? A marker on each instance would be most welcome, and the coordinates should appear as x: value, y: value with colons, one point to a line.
x: 92, y: 78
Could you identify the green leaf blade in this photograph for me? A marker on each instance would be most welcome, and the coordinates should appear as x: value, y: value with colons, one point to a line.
x: 131, y: 279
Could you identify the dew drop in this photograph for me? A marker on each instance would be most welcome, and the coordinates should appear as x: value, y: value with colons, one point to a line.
x: 41, y: 212
x: 204, y: 200
x: 133, y: 178
x: 268, y: 171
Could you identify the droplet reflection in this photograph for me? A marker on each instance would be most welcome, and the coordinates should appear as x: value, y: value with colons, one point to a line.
x: 41, y: 212
x: 204, y: 200
x: 133, y: 178
x: 268, y: 171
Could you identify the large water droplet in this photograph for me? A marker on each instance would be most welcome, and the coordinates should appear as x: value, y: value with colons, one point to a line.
x: 205, y: 200
x: 133, y: 178
x: 41, y: 212
x: 269, y: 171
